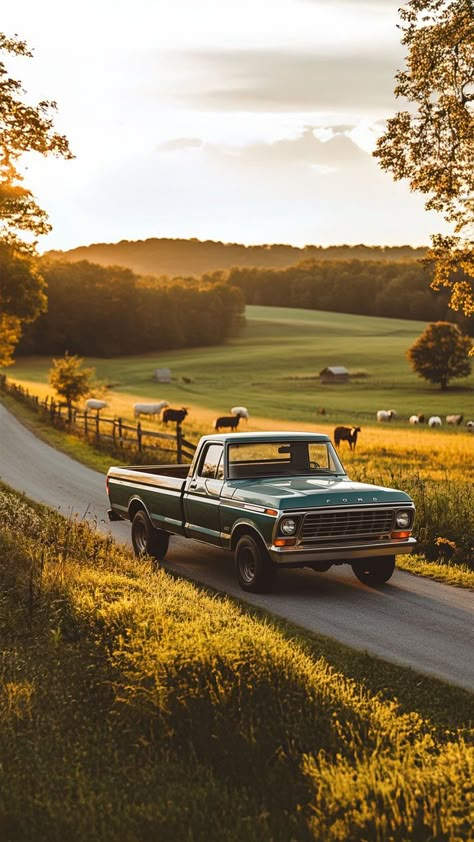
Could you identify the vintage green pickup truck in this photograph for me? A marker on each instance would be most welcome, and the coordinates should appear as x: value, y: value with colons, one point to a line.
x: 274, y: 500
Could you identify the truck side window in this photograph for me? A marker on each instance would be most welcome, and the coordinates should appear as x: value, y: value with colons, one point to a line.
x: 211, y: 465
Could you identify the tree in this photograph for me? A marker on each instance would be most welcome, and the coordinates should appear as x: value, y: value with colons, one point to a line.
x: 441, y: 353
x: 23, y: 128
x: 432, y: 144
x: 69, y: 379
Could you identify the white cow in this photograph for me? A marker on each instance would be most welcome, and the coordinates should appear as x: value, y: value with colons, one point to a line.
x: 470, y: 426
x: 454, y: 419
x: 413, y: 419
x: 241, y: 411
x: 385, y: 414
x: 93, y: 403
x: 150, y: 409
x: 434, y: 421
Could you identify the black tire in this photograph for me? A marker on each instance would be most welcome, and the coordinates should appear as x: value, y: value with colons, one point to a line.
x: 375, y: 571
x: 146, y: 539
x: 254, y: 568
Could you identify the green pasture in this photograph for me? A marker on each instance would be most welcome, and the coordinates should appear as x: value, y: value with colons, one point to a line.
x: 272, y: 367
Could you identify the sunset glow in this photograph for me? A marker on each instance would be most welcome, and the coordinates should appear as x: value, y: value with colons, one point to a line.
x: 218, y: 121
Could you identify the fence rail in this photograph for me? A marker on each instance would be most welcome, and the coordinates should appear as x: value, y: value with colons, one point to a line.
x: 92, y: 426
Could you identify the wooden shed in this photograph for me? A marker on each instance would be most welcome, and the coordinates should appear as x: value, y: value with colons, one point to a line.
x: 334, y: 374
x: 163, y: 375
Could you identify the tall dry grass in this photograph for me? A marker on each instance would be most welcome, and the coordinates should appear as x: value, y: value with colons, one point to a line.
x: 137, y: 707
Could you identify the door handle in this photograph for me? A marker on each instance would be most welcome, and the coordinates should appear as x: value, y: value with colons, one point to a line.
x: 193, y: 484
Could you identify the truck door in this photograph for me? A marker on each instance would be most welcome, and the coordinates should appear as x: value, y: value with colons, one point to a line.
x: 202, y: 496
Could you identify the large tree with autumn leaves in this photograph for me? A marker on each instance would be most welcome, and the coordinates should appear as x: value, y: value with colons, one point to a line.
x: 23, y: 128
x: 431, y: 143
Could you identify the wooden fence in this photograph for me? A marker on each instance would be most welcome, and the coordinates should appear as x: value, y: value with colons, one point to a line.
x: 92, y: 426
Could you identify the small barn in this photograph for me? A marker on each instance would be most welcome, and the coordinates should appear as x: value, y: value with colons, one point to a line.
x: 163, y: 375
x: 334, y: 374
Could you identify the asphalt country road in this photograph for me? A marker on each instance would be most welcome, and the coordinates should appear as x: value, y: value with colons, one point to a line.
x: 411, y: 621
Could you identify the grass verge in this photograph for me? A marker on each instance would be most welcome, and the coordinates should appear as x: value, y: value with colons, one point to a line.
x: 136, y: 706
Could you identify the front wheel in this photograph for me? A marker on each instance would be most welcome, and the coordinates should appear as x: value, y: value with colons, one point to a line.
x: 375, y: 571
x: 255, y: 570
x: 146, y: 539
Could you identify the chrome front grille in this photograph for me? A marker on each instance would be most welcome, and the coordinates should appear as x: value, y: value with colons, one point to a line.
x: 345, y: 524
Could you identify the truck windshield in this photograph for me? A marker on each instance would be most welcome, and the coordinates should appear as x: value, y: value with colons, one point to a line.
x: 282, y: 458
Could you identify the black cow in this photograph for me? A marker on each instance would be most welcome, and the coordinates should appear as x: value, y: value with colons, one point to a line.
x: 177, y: 415
x: 231, y: 421
x: 348, y: 434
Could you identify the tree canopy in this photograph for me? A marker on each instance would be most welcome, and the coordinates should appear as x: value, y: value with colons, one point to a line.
x: 23, y: 128
x: 70, y: 379
x: 432, y: 143
x: 441, y: 354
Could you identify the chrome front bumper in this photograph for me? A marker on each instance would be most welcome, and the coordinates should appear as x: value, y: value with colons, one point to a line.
x: 344, y: 553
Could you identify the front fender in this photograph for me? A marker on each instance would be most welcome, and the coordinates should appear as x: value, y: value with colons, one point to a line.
x: 245, y: 526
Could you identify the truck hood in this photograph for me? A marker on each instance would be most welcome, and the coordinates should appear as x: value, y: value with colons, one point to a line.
x: 311, y: 492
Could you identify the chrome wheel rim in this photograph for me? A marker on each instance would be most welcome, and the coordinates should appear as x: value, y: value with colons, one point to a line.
x: 140, y: 538
x: 247, y: 565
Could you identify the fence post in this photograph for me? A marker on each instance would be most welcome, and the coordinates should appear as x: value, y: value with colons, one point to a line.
x: 85, y: 423
x: 120, y: 432
x: 179, y: 455
x: 139, y: 437
x: 97, y: 421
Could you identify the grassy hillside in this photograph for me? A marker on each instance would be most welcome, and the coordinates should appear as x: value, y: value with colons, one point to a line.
x: 272, y: 368
x: 136, y: 707
x: 166, y: 256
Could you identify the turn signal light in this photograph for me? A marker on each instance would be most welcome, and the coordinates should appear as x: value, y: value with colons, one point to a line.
x: 403, y: 534
x: 271, y: 511
x: 284, y: 542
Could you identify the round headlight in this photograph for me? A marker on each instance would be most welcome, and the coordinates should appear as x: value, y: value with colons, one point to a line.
x: 288, y: 526
x: 403, y: 519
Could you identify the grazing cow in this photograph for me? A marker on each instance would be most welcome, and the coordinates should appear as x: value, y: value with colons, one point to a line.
x: 320, y: 410
x: 470, y: 426
x: 454, y: 419
x: 150, y: 409
x: 434, y: 421
x: 241, y: 411
x: 385, y: 414
x: 93, y: 403
x: 348, y: 434
x: 177, y: 415
x: 417, y: 419
x: 231, y: 421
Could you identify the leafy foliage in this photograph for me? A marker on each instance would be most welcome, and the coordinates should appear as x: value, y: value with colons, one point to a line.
x: 373, y: 288
x: 23, y: 128
x: 70, y: 380
x: 105, y: 311
x: 441, y: 354
x: 432, y: 144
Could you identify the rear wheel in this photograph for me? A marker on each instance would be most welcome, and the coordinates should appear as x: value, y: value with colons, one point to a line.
x: 146, y: 539
x: 255, y: 571
x: 375, y: 571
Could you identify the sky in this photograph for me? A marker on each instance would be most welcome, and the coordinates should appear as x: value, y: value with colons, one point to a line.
x: 249, y: 122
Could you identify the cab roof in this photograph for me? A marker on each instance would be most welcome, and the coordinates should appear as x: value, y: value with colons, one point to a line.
x: 274, y: 436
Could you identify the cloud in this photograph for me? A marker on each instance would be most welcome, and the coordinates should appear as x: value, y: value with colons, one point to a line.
x: 178, y: 143
x: 286, y: 80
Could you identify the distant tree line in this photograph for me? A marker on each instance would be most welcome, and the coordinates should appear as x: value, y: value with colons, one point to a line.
x: 170, y: 257
x: 99, y: 311
x: 371, y: 288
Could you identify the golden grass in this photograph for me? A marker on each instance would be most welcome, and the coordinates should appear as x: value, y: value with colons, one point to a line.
x: 140, y: 707
x: 433, y: 453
